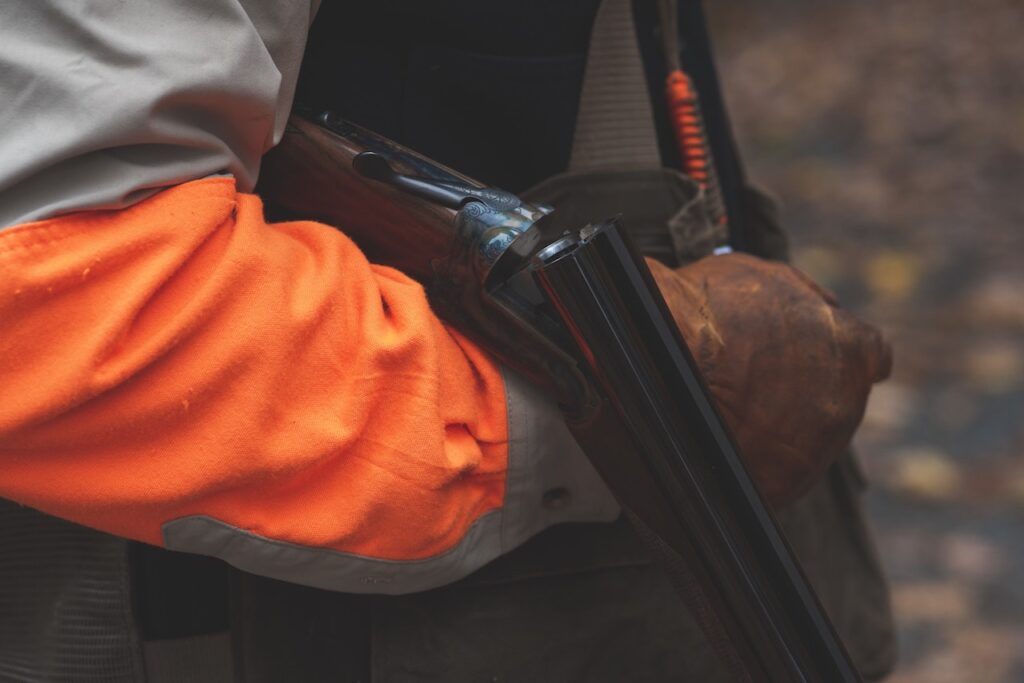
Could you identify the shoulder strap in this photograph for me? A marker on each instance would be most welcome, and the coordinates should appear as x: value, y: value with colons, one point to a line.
x: 698, y: 62
x: 615, y: 124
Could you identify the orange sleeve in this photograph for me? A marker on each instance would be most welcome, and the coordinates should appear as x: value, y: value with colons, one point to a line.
x: 183, y: 358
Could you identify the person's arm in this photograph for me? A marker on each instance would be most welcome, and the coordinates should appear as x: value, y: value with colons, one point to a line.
x: 183, y: 373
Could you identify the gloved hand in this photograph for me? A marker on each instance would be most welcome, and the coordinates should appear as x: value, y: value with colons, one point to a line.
x: 790, y: 371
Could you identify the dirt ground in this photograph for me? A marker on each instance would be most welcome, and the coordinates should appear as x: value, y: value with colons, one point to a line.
x: 893, y: 132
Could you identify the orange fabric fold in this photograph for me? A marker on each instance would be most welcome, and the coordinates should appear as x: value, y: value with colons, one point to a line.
x: 184, y: 357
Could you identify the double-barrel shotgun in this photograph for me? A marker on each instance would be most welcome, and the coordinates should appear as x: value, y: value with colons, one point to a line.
x: 579, y: 314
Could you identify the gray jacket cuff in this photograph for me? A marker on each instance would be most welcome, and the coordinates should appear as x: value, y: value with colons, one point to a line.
x: 550, y: 481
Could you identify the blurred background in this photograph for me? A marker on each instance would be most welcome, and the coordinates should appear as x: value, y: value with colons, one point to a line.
x: 893, y: 133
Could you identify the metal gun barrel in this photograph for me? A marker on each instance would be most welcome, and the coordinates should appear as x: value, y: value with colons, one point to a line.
x: 707, y: 517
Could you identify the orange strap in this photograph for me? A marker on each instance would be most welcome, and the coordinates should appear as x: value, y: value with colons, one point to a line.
x: 694, y: 146
x: 688, y: 126
x: 183, y: 357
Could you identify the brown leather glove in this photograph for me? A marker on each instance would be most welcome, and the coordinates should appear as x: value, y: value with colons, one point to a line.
x: 789, y: 370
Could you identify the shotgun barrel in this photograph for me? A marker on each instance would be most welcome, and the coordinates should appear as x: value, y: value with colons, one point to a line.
x: 676, y: 469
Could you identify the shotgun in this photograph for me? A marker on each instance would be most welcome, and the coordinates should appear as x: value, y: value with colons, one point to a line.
x: 579, y: 314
